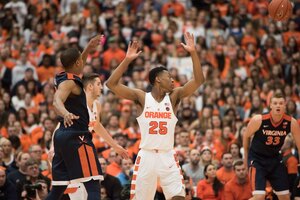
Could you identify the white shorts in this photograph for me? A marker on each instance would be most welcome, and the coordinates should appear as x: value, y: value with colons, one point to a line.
x: 152, y: 165
x: 76, y: 191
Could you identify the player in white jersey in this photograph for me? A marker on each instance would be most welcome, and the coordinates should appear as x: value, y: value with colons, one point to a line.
x: 157, y: 159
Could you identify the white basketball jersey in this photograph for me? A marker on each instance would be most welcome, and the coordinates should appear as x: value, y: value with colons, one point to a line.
x: 157, y: 124
x: 93, y: 114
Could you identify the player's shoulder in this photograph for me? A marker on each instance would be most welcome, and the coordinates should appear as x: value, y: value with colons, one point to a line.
x: 140, y: 95
x: 174, y: 95
x: 257, y: 118
x: 294, y: 121
x: 65, y: 77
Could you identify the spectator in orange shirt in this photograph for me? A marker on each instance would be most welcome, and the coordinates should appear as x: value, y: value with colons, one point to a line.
x: 172, y: 7
x: 46, y: 70
x: 226, y: 173
x: 114, y: 168
x: 210, y: 188
x: 292, y: 32
x: 238, y: 188
x: 113, y: 52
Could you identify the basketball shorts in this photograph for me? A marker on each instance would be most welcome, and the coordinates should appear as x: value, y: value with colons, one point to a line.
x: 75, y: 158
x: 268, y: 169
x: 152, y: 166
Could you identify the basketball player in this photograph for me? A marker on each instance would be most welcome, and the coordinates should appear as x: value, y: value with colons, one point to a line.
x: 92, y: 87
x: 75, y: 159
x: 264, y: 160
x: 157, y: 121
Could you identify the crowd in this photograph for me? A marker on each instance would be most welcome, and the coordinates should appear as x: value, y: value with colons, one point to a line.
x: 245, y: 56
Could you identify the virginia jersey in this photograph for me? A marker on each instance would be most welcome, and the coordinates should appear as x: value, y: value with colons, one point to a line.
x: 75, y: 104
x: 157, y: 124
x: 269, y: 138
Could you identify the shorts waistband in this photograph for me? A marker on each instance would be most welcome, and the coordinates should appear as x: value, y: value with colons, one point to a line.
x: 157, y: 150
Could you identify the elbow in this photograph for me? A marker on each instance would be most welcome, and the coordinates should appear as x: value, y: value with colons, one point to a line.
x: 200, y: 81
x: 55, y: 104
x: 109, y: 84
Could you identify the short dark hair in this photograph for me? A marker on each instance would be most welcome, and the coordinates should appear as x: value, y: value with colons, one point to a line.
x: 225, y: 154
x: 278, y: 95
x: 238, y: 163
x: 31, y: 161
x: 89, y: 78
x: 69, y: 57
x: 154, y: 72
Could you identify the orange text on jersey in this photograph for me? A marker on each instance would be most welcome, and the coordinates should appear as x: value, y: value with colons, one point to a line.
x: 163, y: 115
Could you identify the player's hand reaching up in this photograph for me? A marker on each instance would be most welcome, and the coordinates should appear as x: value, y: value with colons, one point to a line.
x: 68, y: 119
x: 189, y: 45
x: 96, y: 41
x: 121, y: 151
x: 133, y: 50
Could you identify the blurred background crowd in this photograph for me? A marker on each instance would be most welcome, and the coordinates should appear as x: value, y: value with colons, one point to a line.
x: 245, y: 56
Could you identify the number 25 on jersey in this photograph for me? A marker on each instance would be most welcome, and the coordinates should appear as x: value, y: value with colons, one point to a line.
x: 158, y: 128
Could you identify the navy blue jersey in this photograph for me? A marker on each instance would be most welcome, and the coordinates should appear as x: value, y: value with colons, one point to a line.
x: 75, y: 104
x: 269, y: 138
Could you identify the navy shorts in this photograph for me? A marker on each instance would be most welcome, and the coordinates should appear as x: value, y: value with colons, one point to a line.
x: 268, y: 169
x: 75, y: 159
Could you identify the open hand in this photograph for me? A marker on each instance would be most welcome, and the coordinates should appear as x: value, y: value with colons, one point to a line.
x: 68, y: 119
x: 132, y: 51
x: 190, y: 42
x: 121, y: 151
x: 96, y: 41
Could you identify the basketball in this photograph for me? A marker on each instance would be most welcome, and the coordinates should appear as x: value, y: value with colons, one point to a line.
x: 280, y: 10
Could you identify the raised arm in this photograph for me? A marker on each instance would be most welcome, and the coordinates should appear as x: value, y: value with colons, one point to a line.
x: 252, y: 127
x: 190, y: 87
x: 60, y: 96
x: 93, y: 43
x: 114, y: 84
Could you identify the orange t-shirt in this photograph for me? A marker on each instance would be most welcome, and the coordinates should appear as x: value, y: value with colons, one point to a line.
x: 235, y: 191
x: 225, y: 176
x: 248, y: 39
x: 291, y: 163
x: 290, y: 34
x: 205, y: 191
x: 113, y: 169
x: 108, y: 55
x: 176, y: 6
x: 25, y: 142
x: 45, y: 74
